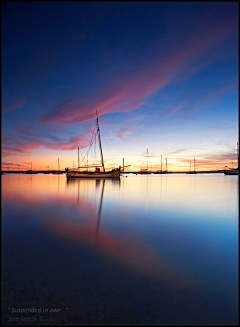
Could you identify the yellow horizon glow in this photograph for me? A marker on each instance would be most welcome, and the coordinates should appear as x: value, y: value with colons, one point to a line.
x: 172, y: 166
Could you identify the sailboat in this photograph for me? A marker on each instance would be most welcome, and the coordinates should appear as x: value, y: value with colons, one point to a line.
x: 233, y: 171
x: 194, y: 169
x: 94, y: 170
x: 30, y: 171
x: 161, y: 171
x: 145, y: 171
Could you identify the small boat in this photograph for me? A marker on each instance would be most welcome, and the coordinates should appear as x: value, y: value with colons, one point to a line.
x: 94, y: 170
x: 144, y: 172
x: 233, y: 171
x: 30, y: 171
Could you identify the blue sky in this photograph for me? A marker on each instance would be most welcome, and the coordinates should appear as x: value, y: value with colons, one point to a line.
x: 162, y: 75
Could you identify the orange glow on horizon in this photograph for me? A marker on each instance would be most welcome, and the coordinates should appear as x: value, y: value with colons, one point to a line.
x: 44, y: 161
x: 172, y: 166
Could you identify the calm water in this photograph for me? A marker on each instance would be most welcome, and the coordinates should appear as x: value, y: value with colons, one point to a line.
x: 145, y: 249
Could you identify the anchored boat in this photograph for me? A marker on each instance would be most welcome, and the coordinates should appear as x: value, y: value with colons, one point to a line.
x: 233, y: 171
x: 161, y: 171
x: 192, y: 171
x: 94, y: 170
x: 145, y: 171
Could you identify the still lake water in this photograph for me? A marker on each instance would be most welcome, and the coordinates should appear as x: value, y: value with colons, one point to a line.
x: 142, y: 250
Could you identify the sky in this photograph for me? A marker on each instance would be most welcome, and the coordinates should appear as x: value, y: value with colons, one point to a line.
x: 163, y: 77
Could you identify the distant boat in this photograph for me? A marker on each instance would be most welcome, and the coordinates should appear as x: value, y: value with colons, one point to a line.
x: 94, y: 170
x: 233, y: 171
x: 30, y: 171
x: 145, y: 171
x: 161, y: 171
x: 192, y: 171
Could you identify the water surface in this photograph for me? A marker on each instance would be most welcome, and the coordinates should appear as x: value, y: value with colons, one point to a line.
x: 144, y: 249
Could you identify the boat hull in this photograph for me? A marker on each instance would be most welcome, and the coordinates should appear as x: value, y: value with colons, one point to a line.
x: 80, y: 174
x: 231, y: 172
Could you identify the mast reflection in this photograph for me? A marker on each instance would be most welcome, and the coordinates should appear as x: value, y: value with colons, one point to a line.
x: 99, y: 211
x: 88, y: 185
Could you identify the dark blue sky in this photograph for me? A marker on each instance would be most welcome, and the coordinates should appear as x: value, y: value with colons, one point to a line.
x: 163, y: 76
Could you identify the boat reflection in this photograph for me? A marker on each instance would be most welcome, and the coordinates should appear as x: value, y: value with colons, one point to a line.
x: 77, y: 181
x: 99, y: 210
x: 126, y: 248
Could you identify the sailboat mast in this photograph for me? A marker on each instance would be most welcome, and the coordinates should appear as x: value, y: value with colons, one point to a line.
x: 237, y: 156
x: 99, y: 138
x: 147, y: 159
x: 87, y: 161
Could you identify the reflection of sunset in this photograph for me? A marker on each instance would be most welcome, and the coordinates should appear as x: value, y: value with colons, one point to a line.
x: 175, y: 234
x: 130, y: 251
x: 84, y: 213
x: 174, y: 192
x: 78, y: 225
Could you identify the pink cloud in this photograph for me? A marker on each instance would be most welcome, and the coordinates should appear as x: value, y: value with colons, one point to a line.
x: 135, y: 90
x: 29, y: 139
x: 218, y: 161
x: 124, y: 131
x: 230, y: 88
x: 171, y: 111
x: 14, y: 106
x: 15, y: 166
x: 26, y: 146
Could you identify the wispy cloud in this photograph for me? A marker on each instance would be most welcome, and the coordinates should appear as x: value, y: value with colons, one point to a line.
x: 213, y: 160
x: 12, y: 165
x: 26, y: 138
x: 226, y: 89
x: 123, y: 132
x: 13, y: 106
x: 177, y: 151
x: 135, y: 90
x: 171, y: 111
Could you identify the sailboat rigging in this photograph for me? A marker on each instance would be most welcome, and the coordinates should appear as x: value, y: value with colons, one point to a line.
x: 93, y: 170
x: 124, y: 166
x: 145, y: 171
x: 194, y: 169
x: 161, y: 171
